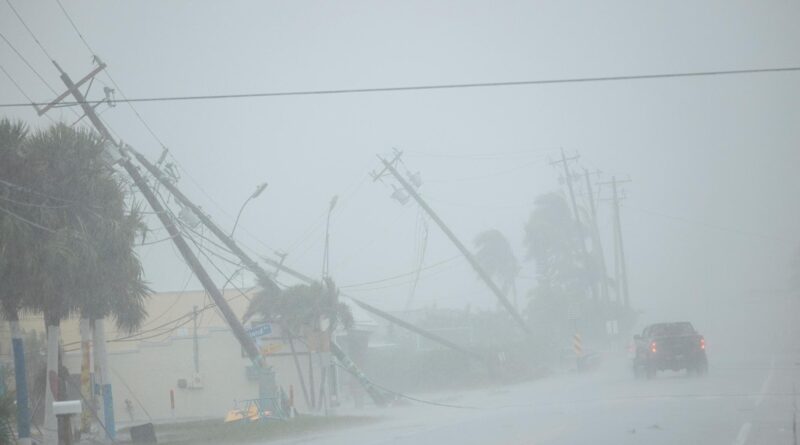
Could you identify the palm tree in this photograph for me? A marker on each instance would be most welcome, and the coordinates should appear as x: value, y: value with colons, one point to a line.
x: 114, y: 288
x: 18, y: 247
x: 90, y: 265
x: 308, y: 310
x: 496, y: 257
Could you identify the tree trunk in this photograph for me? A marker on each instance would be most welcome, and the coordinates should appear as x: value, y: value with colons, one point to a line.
x: 21, y: 381
x: 86, y: 375
x: 51, y: 395
x: 297, y: 366
x: 103, y: 376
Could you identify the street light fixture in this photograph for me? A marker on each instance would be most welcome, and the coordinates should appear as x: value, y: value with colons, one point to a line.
x: 259, y: 189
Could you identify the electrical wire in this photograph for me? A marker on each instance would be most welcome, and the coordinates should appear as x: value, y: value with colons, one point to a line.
x: 28, y: 64
x: 13, y: 81
x: 477, y: 156
x: 413, y: 399
x: 706, y: 225
x: 403, y: 275
x: 488, y: 175
x: 110, y: 77
x: 31, y: 204
x: 27, y: 221
x: 75, y: 27
x: 451, y: 86
x: 35, y: 39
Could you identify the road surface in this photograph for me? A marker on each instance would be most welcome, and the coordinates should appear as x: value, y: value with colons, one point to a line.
x: 745, y: 399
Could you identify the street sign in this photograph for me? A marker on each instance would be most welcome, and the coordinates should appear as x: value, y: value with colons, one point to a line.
x: 260, y: 330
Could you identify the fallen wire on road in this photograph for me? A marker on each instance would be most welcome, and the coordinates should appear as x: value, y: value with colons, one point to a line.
x: 414, y: 399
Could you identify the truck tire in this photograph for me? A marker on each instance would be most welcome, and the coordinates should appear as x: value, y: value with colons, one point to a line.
x: 650, y: 371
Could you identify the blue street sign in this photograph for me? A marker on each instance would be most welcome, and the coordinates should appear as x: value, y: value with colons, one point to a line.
x: 260, y: 330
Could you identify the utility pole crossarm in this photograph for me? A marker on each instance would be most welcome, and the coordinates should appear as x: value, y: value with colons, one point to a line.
x: 183, y: 247
x: 464, y: 251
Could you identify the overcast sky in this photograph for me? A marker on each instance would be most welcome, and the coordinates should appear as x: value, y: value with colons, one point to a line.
x: 711, y: 212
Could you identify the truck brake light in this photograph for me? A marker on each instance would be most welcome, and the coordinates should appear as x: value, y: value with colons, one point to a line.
x: 653, y: 347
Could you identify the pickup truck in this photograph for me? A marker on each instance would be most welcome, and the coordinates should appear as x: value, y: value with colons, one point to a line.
x: 672, y: 346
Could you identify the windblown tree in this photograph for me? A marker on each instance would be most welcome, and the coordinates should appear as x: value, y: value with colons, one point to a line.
x: 564, y: 273
x: 553, y: 241
x: 19, y: 251
x: 82, y: 259
x: 301, y: 307
x: 312, y: 311
x: 496, y: 257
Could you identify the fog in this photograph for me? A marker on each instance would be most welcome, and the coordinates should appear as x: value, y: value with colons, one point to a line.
x: 710, y: 216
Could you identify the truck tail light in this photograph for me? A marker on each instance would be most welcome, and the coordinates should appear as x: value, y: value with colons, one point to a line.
x: 653, y: 347
x: 702, y: 343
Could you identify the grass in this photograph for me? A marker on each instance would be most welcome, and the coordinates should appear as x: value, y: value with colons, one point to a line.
x: 219, y: 432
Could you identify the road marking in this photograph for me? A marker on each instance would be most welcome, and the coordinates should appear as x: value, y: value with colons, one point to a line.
x: 744, y: 431
x: 765, y: 385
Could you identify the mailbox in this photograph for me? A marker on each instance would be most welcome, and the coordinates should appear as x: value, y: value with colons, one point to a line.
x: 67, y: 407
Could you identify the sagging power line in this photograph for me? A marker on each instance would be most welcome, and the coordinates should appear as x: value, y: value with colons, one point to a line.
x: 451, y: 86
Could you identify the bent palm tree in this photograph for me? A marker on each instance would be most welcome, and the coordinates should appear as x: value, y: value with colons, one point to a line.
x: 301, y: 310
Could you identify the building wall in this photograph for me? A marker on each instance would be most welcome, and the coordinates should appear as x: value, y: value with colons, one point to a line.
x: 146, y: 376
x: 145, y: 367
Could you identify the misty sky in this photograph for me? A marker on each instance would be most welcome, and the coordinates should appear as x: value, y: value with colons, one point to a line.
x: 711, y: 211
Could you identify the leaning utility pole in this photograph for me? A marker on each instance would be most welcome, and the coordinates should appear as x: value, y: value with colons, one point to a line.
x: 266, y: 384
x: 620, y: 245
x: 264, y: 278
x: 575, y: 211
x: 464, y: 251
x: 422, y: 332
x: 598, y: 243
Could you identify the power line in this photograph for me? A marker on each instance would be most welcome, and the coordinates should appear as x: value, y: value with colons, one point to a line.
x: 402, y: 275
x: 42, y: 194
x: 110, y: 77
x: 705, y: 224
x: 26, y: 220
x: 434, y: 87
x: 28, y: 64
x: 44, y: 50
x: 10, y: 5
x: 19, y: 88
x: 478, y: 156
x: 489, y: 175
x: 75, y: 27
x: 32, y: 204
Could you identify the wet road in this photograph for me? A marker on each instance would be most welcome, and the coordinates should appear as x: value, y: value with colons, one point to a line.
x: 745, y: 399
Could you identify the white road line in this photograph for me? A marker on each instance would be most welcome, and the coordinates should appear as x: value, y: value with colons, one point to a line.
x: 765, y: 385
x: 744, y: 431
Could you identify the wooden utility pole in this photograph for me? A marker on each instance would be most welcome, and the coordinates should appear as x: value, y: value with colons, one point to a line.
x: 422, y: 332
x: 464, y: 251
x: 264, y: 278
x: 266, y: 388
x: 597, y: 242
x: 620, y: 245
x: 575, y: 211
